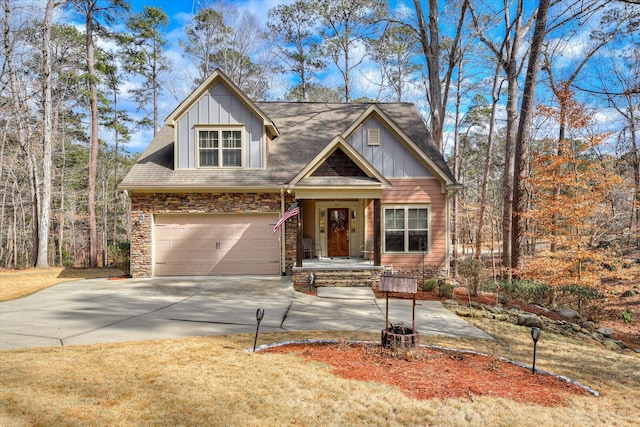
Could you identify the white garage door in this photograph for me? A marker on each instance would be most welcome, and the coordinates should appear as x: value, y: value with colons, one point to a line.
x: 220, y: 244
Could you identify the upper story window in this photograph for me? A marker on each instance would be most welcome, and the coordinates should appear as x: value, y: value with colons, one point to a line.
x: 220, y: 147
x: 406, y: 229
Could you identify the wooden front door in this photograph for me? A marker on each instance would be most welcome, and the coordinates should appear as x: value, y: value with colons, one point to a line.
x: 338, y: 237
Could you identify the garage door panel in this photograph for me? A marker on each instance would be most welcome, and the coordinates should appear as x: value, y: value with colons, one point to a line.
x: 216, y: 244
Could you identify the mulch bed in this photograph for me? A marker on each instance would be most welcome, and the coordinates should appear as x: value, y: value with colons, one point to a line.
x: 427, y: 373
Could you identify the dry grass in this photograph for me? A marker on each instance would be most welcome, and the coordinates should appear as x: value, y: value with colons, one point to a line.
x: 212, y: 381
x: 20, y: 283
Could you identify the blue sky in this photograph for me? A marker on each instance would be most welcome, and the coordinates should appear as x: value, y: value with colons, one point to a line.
x: 180, y: 12
x: 183, y: 71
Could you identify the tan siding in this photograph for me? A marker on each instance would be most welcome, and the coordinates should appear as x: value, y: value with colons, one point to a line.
x: 427, y: 191
x: 413, y: 190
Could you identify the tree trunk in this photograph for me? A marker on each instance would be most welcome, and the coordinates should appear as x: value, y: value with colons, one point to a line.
x: 456, y: 171
x: 42, y: 258
x: 635, y: 200
x: 20, y: 111
x: 155, y: 98
x: 431, y: 49
x: 487, y: 163
x: 522, y: 141
x: 93, y: 139
x: 61, y: 221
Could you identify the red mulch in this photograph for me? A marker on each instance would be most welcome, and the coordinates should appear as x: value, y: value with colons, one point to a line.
x: 426, y: 373
x: 462, y: 297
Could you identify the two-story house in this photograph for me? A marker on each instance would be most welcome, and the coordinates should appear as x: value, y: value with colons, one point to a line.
x: 369, y: 183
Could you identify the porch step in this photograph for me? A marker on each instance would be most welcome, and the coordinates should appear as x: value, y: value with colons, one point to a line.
x: 341, y: 278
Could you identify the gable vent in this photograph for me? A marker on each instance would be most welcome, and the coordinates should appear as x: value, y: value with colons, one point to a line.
x: 373, y: 136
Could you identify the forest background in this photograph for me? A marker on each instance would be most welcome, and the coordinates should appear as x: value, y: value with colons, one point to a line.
x: 534, y: 104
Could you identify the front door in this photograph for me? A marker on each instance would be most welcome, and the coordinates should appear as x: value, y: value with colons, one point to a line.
x: 338, y: 237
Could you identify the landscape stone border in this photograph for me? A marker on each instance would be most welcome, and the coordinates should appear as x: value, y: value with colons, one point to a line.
x: 514, y: 314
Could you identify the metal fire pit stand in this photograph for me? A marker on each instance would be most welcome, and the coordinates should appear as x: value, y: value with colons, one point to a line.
x: 399, y: 283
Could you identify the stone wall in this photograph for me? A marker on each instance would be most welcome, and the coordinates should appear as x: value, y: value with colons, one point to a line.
x: 323, y: 277
x: 575, y: 327
x: 145, y: 205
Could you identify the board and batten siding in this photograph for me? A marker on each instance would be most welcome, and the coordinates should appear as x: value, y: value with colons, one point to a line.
x: 420, y: 191
x: 391, y: 157
x: 219, y: 106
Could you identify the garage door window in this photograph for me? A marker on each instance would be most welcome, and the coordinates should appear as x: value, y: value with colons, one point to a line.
x: 220, y: 147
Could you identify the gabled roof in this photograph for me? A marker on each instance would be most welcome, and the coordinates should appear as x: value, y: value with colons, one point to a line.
x: 374, y: 110
x: 212, y: 80
x: 307, y: 131
x: 339, y: 143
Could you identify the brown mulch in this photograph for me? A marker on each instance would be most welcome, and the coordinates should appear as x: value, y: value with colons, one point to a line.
x: 426, y: 373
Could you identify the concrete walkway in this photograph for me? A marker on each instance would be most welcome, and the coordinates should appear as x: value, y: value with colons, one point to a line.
x: 101, y: 310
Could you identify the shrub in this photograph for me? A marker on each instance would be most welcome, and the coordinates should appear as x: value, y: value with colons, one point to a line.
x: 67, y: 260
x: 119, y: 256
x: 529, y: 291
x: 430, y: 285
x: 446, y: 290
x: 626, y: 316
x: 579, y: 295
x: 471, y: 269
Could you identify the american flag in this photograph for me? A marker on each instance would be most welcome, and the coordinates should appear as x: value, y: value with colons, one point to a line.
x: 292, y: 211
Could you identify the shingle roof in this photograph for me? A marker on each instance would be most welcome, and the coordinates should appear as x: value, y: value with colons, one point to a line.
x: 305, y: 129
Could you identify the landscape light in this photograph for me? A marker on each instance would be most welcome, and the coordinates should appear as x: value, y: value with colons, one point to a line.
x: 535, y: 335
x: 259, y: 317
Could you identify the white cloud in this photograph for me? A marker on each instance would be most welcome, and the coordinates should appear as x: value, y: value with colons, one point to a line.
x: 140, y: 139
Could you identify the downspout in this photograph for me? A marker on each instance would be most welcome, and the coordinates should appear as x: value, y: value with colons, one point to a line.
x: 283, y: 253
x: 447, y: 259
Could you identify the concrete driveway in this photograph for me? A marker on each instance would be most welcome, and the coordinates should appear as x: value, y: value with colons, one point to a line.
x: 101, y: 310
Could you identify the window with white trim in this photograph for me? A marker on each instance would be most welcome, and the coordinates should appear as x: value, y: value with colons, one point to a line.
x: 406, y: 228
x: 220, y: 147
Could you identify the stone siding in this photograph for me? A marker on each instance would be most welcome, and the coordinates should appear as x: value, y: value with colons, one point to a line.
x: 369, y: 277
x: 145, y: 205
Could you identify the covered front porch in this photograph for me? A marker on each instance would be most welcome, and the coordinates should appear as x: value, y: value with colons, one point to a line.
x: 338, y: 235
x: 338, y: 232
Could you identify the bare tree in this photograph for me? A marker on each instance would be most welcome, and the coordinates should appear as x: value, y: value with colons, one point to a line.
x: 431, y: 44
x: 626, y: 101
x: 507, y: 54
x: 21, y: 113
x: 42, y: 258
x: 495, y: 95
x: 522, y: 140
